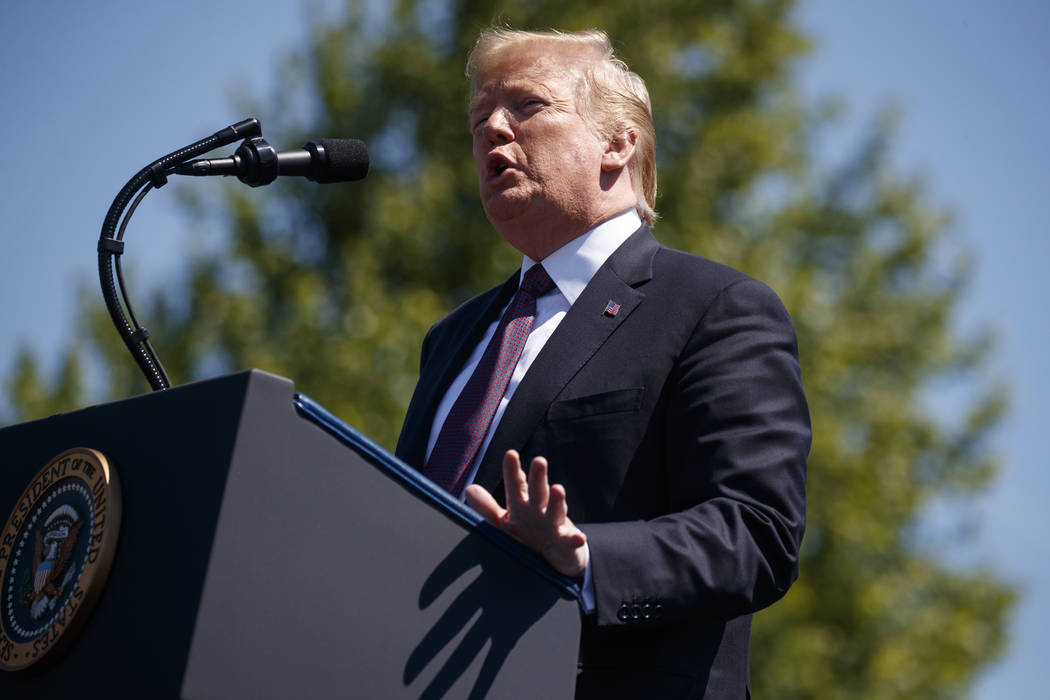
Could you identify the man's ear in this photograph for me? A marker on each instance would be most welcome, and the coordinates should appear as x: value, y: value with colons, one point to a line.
x: 619, y: 150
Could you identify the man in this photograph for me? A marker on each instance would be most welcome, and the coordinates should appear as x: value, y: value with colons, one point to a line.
x: 659, y: 391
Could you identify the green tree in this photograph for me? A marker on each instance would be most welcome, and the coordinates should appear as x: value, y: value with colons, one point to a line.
x: 335, y: 287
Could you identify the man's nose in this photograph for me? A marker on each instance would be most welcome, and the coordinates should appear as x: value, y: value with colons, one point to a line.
x: 497, y: 127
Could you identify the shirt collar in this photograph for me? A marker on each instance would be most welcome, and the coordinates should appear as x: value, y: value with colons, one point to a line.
x: 574, y: 264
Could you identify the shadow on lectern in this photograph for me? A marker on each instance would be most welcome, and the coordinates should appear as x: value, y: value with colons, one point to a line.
x: 477, y: 618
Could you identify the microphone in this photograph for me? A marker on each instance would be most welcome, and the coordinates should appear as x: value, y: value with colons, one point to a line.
x: 256, y: 163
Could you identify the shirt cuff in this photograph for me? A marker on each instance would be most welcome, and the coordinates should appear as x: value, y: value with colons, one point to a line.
x: 587, y: 602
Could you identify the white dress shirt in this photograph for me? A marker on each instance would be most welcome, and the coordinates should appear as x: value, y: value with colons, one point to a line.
x: 571, y: 267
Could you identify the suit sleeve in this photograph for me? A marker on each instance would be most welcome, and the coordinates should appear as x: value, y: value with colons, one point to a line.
x: 736, y: 436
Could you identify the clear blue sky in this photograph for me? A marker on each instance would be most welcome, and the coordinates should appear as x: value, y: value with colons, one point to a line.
x: 93, y: 91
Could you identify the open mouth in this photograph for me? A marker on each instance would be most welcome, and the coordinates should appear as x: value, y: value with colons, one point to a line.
x: 497, y: 165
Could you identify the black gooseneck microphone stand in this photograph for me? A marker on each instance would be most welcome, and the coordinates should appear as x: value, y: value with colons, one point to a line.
x: 255, y: 163
x: 111, y: 242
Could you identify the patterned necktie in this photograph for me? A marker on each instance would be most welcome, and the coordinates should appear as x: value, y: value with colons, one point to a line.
x: 468, y: 421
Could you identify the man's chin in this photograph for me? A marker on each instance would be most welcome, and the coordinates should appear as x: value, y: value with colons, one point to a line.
x: 501, y: 207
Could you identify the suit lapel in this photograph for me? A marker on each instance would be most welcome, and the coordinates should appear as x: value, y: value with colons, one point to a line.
x: 457, y: 344
x: 578, y: 337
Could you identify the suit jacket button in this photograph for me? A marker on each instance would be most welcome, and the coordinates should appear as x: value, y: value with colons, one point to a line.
x: 647, y: 611
x: 636, y: 612
x: 624, y: 613
x: 658, y: 611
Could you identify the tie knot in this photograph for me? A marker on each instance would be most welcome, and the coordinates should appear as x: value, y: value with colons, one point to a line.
x: 536, y: 282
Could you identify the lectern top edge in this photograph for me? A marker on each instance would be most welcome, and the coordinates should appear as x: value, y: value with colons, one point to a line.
x: 427, y: 491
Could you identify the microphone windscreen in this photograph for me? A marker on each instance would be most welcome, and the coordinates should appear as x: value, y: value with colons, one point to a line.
x: 347, y: 159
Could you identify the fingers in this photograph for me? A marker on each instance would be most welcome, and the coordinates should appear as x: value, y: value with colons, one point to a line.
x: 527, y: 497
x: 514, y: 480
x: 558, y: 510
x: 537, y: 514
x: 558, y: 517
x: 535, y: 509
x: 539, y: 489
x: 482, y: 501
x: 533, y: 491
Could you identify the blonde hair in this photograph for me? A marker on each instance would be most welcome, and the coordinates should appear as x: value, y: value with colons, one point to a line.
x: 613, y: 99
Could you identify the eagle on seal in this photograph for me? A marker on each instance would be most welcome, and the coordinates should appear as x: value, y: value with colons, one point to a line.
x: 55, y: 543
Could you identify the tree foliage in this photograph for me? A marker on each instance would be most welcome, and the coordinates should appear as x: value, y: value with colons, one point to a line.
x: 335, y: 287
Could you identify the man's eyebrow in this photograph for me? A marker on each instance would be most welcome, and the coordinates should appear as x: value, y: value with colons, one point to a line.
x: 514, y: 85
x: 520, y: 85
x: 483, y: 97
x: 476, y: 102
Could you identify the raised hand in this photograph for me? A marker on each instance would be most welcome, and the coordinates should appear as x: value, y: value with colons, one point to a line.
x: 536, y: 515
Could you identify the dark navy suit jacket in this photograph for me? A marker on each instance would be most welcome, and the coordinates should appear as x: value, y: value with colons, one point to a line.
x: 680, y: 431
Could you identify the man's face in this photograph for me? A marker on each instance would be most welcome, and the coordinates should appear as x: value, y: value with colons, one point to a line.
x: 538, y: 160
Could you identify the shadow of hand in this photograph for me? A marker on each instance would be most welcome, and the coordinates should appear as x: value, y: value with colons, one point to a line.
x: 507, y: 610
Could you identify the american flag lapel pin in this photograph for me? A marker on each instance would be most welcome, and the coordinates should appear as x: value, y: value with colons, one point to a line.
x: 612, y: 308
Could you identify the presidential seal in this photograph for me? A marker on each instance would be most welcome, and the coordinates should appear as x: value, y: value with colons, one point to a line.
x: 55, y: 554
